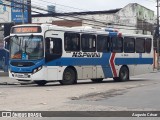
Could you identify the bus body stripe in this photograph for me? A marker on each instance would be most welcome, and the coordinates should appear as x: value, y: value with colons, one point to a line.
x: 112, y: 63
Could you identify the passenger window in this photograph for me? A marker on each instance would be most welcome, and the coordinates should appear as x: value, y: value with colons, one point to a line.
x: 129, y: 45
x: 102, y: 43
x: 117, y: 44
x: 148, y: 44
x: 88, y: 43
x: 72, y: 42
x: 140, y: 45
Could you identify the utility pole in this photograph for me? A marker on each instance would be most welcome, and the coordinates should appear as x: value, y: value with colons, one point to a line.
x: 157, y: 34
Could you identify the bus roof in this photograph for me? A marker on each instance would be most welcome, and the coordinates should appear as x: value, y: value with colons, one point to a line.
x: 81, y: 29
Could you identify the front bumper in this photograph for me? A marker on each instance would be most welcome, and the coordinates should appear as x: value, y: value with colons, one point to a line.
x: 40, y: 75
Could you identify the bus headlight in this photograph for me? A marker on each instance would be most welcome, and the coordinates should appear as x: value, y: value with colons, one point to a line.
x: 34, y: 71
x: 37, y: 69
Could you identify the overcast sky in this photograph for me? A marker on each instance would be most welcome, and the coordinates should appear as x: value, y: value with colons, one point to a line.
x: 92, y: 5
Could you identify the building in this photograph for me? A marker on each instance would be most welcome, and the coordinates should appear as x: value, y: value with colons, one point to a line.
x: 133, y: 18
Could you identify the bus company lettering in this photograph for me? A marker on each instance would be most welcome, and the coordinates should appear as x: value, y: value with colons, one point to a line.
x: 85, y: 54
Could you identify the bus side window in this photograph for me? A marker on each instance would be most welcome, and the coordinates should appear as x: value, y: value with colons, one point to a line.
x: 88, y: 43
x: 72, y: 42
x: 102, y: 43
x: 140, y: 45
x: 129, y: 45
x: 117, y: 44
x: 148, y: 45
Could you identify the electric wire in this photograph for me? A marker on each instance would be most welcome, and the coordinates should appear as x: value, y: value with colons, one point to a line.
x: 72, y: 16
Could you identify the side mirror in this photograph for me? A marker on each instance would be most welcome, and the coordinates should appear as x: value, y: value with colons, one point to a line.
x: 6, y: 43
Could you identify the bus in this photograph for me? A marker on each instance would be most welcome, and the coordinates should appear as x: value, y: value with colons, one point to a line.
x: 43, y: 53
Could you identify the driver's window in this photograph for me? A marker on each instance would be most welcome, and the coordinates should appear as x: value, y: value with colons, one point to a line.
x: 53, y: 46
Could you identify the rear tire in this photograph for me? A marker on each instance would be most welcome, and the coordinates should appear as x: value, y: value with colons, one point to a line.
x: 41, y: 82
x: 97, y: 80
x: 123, y: 75
x: 69, y: 77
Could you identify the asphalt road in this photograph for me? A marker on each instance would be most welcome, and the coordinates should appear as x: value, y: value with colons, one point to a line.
x: 141, y: 93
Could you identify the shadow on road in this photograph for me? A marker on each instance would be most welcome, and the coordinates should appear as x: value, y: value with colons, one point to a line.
x: 85, y: 82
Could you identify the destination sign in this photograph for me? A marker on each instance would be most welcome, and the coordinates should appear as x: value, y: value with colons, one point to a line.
x: 26, y: 29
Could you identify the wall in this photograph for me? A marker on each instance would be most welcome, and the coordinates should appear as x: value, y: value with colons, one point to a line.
x: 126, y: 16
x: 144, y: 14
x: 68, y: 23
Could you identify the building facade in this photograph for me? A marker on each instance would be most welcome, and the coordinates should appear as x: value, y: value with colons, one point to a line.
x: 133, y: 18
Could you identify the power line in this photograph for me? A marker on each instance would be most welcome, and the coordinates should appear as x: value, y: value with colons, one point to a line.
x: 76, y: 16
x: 63, y: 5
x: 105, y: 24
x: 41, y: 13
x: 56, y: 17
x: 64, y: 14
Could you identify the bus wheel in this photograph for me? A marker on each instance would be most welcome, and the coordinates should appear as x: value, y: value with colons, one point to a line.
x: 69, y: 77
x: 40, y: 82
x: 97, y: 80
x: 123, y: 75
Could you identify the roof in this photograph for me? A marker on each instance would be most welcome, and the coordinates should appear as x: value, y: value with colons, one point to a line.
x: 78, y: 13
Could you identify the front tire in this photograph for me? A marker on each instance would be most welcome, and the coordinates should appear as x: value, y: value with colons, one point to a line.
x: 69, y: 77
x: 123, y: 75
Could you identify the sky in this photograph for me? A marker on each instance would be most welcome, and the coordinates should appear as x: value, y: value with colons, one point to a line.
x: 92, y: 5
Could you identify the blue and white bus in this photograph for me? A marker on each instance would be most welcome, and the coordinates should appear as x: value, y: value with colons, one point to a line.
x: 46, y: 53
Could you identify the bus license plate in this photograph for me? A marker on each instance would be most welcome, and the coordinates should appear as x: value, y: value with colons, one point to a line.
x: 21, y: 75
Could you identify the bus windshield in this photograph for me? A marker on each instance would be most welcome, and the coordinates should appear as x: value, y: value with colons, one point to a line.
x: 26, y: 47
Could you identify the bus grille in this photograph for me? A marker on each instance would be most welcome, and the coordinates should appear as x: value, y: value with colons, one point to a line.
x: 22, y: 64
